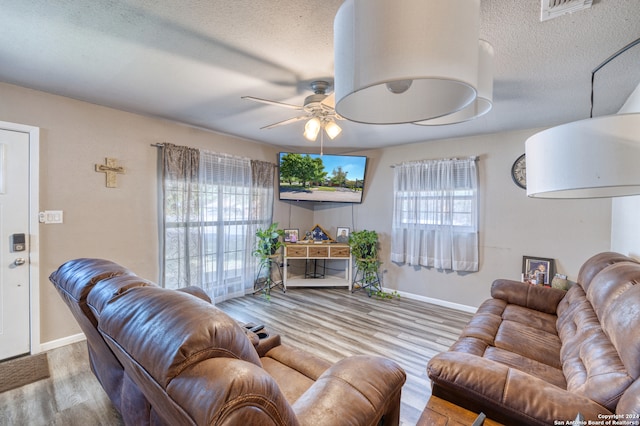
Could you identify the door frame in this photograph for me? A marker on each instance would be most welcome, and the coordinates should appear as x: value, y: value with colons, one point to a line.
x: 34, y: 228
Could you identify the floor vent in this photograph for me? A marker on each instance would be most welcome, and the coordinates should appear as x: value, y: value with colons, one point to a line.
x: 554, y: 8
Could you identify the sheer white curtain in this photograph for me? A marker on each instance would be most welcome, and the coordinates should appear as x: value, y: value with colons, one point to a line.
x: 435, y: 214
x: 211, y: 211
x: 225, y: 183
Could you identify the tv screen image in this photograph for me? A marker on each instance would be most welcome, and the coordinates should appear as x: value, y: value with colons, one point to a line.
x: 321, y: 178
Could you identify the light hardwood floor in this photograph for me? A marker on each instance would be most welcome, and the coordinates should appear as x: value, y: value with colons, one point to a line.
x: 332, y: 323
x: 71, y: 396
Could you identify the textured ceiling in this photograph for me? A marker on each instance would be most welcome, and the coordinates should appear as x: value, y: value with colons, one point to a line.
x: 192, y: 60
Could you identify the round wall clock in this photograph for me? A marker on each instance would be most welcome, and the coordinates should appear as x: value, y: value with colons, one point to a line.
x: 519, y: 172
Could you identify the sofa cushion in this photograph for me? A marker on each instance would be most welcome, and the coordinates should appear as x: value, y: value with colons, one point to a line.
x: 109, y: 288
x: 597, y: 263
x: 74, y: 281
x: 294, y: 370
x: 166, y: 331
x: 477, y: 347
x: 534, y: 297
x: 525, y: 332
x: 598, y: 329
x: 629, y: 404
x: 616, y: 299
x: 529, y: 342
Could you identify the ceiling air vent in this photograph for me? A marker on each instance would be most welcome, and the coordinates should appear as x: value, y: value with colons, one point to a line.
x: 554, y: 8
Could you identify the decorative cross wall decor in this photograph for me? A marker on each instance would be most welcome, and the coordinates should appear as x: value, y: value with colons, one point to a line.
x: 111, y: 170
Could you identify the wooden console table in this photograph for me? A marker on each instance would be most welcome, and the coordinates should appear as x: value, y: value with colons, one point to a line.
x: 326, y: 251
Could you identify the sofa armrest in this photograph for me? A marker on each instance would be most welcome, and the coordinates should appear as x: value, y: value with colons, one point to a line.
x: 537, y: 297
x: 268, y: 343
x: 356, y: 390
x: 503, y: 393
x: 227, y: 391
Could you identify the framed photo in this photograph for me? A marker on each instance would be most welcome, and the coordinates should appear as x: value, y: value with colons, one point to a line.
x: 291, y: 236
x: 533, y: 267
x: 342, y: 236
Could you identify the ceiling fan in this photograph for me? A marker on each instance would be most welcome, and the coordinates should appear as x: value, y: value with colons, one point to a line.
x: 318, y: 109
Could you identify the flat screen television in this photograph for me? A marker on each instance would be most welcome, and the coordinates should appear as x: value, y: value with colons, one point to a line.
x: 321, y: 178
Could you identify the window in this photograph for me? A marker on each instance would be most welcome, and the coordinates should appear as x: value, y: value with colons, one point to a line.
x: 210, y: 218
x: 435, y: 214
x: 433, y: 209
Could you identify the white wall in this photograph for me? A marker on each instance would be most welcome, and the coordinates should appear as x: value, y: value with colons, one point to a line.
x: 511, y: 225
x: 625, y: 229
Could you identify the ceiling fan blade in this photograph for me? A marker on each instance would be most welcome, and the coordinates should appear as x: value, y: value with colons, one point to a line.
x: 330, y: 101
x: 287, y: 121
x: 276, y: 103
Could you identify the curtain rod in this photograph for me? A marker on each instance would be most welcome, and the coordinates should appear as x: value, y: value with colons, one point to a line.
x: 161, y: 145
x: 473, y: 157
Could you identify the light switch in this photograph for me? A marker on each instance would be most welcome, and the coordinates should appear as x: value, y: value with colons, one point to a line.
x: 51, y: 216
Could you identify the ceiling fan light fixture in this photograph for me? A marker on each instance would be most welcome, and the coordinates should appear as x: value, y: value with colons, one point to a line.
x: 483, y: 102
x: 399, y: 86
x: 312, y: 128
x: 403, y: 62
x: 332, y: 129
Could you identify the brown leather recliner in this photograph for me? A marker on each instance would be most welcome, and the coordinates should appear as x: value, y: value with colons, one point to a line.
x: 167, y: 357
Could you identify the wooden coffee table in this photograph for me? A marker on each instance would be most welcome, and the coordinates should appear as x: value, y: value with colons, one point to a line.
x: 439, y: 412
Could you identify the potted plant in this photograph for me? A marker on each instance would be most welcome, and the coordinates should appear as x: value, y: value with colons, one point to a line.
x: 364, y: 248
x: 267, y: 245
x: 364, y: 245
x: 268, y: 241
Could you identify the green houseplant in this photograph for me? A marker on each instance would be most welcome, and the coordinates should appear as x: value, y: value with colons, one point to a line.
x: 364, y: 245
x: 268, y: 243
x: 364, y: 248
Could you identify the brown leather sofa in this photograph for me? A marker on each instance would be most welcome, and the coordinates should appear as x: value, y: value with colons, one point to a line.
x: 534, y: 355
x: 169, y: 357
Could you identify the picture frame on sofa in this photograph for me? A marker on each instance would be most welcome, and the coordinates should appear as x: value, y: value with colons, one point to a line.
x: 534, y: 266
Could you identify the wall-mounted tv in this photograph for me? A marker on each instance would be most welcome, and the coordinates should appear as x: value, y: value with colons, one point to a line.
x: 321, y: 178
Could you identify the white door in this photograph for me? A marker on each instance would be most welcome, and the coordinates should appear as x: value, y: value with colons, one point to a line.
x: 14, y: 244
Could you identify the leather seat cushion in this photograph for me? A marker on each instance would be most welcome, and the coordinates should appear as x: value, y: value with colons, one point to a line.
x: 477, y: 347
x: 292, y: 383
x: 523, y: 331
x: 294, y: 370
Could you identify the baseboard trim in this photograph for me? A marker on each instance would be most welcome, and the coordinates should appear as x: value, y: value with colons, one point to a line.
x: 439, y: 302
x: 58, y: 343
